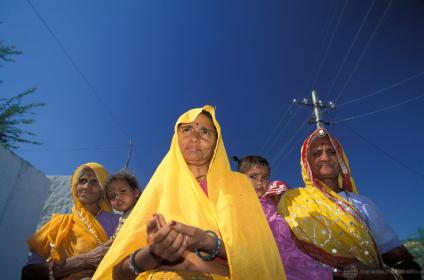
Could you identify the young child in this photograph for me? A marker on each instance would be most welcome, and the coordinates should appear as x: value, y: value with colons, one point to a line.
x: 297, y: 264
x: 123, y: 192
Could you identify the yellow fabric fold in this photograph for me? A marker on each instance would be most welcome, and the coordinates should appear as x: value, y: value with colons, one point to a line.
x: 66, y: 235
x: 325, y: 224
x: 232, y: 210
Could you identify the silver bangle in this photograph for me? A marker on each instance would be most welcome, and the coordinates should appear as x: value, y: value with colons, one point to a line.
x: 51, y: 269
x: 135, y: 269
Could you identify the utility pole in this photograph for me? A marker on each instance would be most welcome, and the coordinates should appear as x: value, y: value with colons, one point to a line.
x: 317, y: 105
x: 127, y: 162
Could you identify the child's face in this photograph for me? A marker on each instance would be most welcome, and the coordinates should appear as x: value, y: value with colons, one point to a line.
x: 259, y: 176
x: 121, y: 196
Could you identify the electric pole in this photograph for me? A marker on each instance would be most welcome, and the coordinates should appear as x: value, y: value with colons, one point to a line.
x: 317, y: 105
x: 127, y: 162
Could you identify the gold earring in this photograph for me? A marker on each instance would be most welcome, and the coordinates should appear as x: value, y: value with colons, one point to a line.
x: 340, y: 181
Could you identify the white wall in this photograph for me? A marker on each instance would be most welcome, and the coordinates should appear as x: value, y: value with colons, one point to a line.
x: 59, y: 200
x: 24, y: 190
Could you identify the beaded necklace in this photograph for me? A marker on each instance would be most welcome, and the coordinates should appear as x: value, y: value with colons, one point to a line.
x: 93, y: 232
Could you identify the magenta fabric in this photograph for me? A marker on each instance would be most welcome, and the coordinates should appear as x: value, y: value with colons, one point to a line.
x: 204, y: 185
x: 298, y: 265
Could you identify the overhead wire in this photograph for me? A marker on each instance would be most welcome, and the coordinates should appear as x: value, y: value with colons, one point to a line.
x: 396, y: 160
x: 330, y: 42
x: 350, y: 49
x: 275, y: 160
x: 77, y: 68
x: 270, y: 135
x: 384, y: 152
x: 364, y: 50
x: 294, y: 145
x: 273, y: 139
x: 381, y: 110
x: 267, y: 145
x: 382, y: 89
x: 73, y: 149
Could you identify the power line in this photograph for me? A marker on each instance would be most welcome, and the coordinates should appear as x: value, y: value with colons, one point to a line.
x: 74, y: 64
x: 283, y: 158
x: 350, y: 48
x: 74, y: 149
x: 382, y: 89
x: 272, y: 138
x: 328, y: 45
x: 381, y: 110
x: 364, y: 50
x: 388, y: 155
x: 127, y: 162
x: 266, y: 142
x: 317, y: 106
x: 275, y: 159
x: 281, y: 132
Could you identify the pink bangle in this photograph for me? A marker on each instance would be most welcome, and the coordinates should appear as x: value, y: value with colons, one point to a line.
x: 51, y: 272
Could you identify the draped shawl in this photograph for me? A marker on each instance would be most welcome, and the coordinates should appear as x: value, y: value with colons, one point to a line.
x: 231, y: 209
x: 326, y: 226
x: 67, y: 235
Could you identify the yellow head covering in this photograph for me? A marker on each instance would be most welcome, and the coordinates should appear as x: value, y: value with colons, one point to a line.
x: 102, y: 176
x: 231, y: 209
x: 325, y: 225
x: 67, y: 235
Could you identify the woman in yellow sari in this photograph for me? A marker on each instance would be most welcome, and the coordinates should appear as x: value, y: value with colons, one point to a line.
x: 196, y: 219
x: 337, y: 226
x: 70, y: 246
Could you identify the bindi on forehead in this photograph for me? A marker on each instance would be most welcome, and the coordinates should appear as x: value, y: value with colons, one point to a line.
x: 202, y: 125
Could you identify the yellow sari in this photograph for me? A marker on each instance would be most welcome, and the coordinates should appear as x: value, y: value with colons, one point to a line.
x: 325, y: 225
x: 67, y: 235
x: 231, y: 209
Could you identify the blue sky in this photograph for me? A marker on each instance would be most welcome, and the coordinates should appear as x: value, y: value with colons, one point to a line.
x: 130, y: 68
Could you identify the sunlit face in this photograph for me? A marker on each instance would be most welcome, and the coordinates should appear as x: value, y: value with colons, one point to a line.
x: 259, y: 176
x: 88, y: 188
x: 197, y: 140
x: 121, y: 196
x: 323, y: 160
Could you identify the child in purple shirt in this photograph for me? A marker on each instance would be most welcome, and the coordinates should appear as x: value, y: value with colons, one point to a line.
x: 297, y: 264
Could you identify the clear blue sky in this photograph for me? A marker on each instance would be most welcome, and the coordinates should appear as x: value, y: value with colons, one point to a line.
x: 148, y: 61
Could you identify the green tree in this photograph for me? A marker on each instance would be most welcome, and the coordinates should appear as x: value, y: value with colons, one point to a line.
x: 14, y: 114
x: 7, y: 51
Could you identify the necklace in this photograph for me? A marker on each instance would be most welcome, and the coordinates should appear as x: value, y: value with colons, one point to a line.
x: 90, y: 229
x: 98, y: 213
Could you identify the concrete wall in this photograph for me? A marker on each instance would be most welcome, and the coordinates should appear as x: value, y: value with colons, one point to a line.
x: 24, y: 190
x: 59, y: 200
